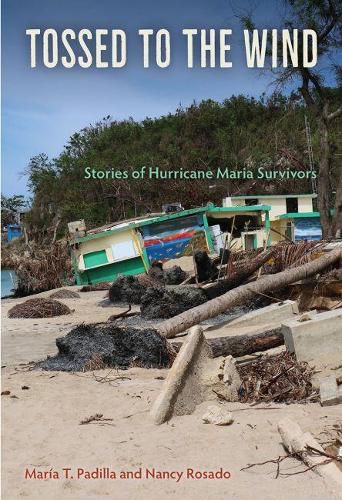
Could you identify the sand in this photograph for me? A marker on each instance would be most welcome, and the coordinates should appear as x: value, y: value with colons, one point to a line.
x: 41, y: 429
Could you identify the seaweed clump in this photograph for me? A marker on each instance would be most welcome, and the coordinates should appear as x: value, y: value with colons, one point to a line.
x: 39, y: 308
x: 166, y: 303
x: 174, y: 275
x: 98, y: 346
x: 64, y: 294
x: 126, y: 289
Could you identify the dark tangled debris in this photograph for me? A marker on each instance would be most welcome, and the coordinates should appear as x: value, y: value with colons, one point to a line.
x: 98, y: 287
x: 278, y: 378
x: 166, y: 303
x: 206, y: 269
x: 126, y: 289
x: 174, y: 276
x: 39, y: 308
x: 98, y: 417
x: 92, y: 347
x: 131, y: 289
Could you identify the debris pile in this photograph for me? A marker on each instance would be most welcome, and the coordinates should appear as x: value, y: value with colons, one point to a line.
x: 166, y: 303
x: 158, y: 300
x: 239, y: 292
x: 126, y: 289
x: 205, y: 268
x: 323, y: 293
x: 174, y: 275
x: 278, y: 378
x: 39, y: 308
x: 98, y: 287
x: 155, y: 273
x: 288, y: 254
x: 92, y: 347
x: 64, y: 294
x: 131, y: 289
x: 39, y: 269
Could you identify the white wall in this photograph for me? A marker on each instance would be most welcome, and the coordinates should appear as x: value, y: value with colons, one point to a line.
x: 104, y: 243
x: 305, y: 205
x: 278, y: 204
x: 260, y: 237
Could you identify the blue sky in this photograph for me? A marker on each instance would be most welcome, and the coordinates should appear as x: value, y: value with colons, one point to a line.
x: 42, y: 107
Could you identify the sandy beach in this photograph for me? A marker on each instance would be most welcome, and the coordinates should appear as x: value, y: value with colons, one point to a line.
x: 41, y: 429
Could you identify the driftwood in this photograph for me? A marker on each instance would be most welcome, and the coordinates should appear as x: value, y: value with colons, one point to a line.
x: 305, y: 447
x: 242, y: 345
x: 220, y: 287
x: 241, y: 294
x: 124, y: 314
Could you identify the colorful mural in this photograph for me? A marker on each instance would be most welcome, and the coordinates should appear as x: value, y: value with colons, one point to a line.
x: 170, y: 245
x: 307, y: 228
x: 173, y: 238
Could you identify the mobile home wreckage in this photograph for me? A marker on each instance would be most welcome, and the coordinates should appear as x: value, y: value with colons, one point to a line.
x: 130, y: 247
x: 292, y: 216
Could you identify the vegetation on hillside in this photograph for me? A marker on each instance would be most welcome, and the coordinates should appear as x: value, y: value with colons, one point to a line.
x: 239, y: 132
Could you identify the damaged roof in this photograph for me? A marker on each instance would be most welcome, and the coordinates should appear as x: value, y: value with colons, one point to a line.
x: 149, y: 219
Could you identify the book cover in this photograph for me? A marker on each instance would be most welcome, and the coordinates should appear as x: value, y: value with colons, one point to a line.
x: 171, y: 282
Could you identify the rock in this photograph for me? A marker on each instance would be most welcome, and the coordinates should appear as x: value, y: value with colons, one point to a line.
x: 231, y: 378
x: 318, y: 340
x: 307, y: 316
x: 219, y: 377
x: 330, y: 392
x: 218, y: 416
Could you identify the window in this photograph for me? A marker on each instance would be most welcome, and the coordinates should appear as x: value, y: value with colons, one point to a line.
x: 250, y: 241
x: 291, y: 205
x: 93, y: 259
x: 251, y: 201
x: 289, y: 231
x: 124, y: 250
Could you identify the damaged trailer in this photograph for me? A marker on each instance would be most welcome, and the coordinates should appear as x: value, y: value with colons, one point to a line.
x: 130, y: 247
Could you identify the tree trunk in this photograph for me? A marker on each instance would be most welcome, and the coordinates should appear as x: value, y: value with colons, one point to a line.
x: 213, y: 290
x: 241, y: 345
x: 324, y: 183
x: 337, y: 219
x: 214, y: 307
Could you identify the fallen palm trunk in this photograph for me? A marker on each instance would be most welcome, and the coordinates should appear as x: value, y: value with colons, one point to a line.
x: 214, y: 307
x: 305, y: 447
x: 242, y: 345
x: 213, y: 290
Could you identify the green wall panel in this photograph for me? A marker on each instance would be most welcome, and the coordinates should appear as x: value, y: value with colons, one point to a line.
x: 95, y: 258
x: 110, y: 271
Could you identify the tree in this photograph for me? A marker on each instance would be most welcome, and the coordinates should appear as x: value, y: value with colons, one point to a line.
x: 324, y: 17
x: 239, y: 132
x: 11, y: 207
